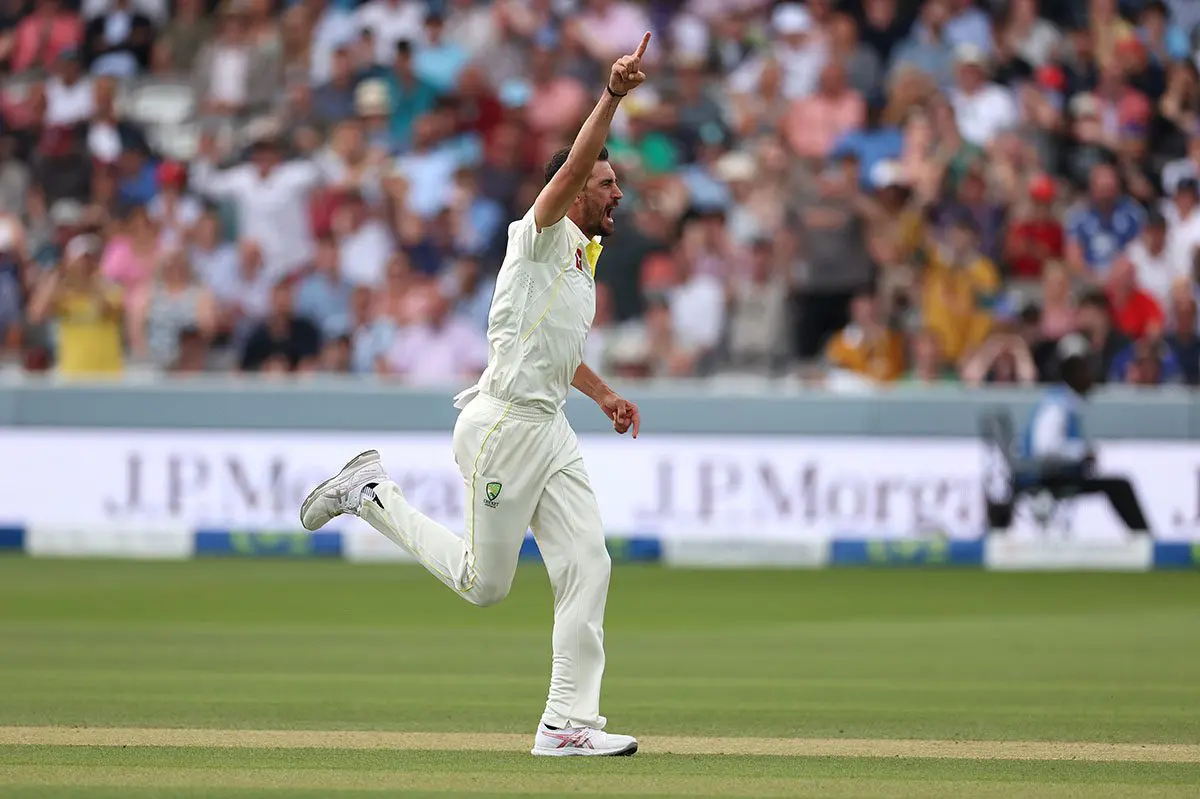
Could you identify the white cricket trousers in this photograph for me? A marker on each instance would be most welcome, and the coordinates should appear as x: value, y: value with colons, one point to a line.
x: 522, y: 468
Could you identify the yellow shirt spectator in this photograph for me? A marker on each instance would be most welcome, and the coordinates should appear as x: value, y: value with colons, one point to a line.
x: 86, y: 310
x: 954, y: 301
x: 865, y: 346
x: 89, y: 332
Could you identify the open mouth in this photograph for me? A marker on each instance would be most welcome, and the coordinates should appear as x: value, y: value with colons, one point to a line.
x: 608, y: 214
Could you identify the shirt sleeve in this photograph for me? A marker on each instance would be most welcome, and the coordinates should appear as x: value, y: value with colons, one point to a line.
x: 542, y: 246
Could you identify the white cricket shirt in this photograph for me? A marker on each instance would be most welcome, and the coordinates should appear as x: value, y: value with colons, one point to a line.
x: 542, y: 310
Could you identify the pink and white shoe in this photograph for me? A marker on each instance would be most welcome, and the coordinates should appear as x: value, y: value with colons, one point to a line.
x: 584, y: 741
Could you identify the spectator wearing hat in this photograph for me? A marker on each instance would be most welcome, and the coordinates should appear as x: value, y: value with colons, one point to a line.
x: 1156, y: 266
x: 86, y: 311
x: 174, y: 210
x: 43, y: 36
x: 1187, y: 168
x: 799, y: 54
x: 1102, y: 226
x: 928, y: 48
x: 1036, y: 236
x: 815, y: 123
x: 982, y: 109
x: 118, y: 41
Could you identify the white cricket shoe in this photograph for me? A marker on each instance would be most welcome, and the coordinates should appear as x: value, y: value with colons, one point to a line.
x: 341, y: 493
x: 584, y: 741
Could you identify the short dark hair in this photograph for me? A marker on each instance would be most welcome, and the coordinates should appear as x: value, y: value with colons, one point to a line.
x: 1094, y: 298
x: 560, y: 157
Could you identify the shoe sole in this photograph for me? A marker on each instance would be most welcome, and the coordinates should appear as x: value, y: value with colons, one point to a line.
x: 572, y: 751
x: 355, y: 462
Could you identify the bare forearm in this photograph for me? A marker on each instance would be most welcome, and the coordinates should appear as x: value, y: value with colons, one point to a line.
x: 590, y: 383
x: 556, y: 198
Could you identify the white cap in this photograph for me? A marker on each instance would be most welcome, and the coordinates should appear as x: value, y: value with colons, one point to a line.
x: 82, y: 245
x: 1073, y: 345
x: 371, y: 97
x: 887, y: 173
x: 790, y: 19
x: 736, y: 166
x: 968, y: 53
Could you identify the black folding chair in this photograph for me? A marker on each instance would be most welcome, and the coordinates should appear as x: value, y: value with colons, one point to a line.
x: 1009, y: 479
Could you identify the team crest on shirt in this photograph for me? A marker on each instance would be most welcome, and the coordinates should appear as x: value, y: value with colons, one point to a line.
x: 579, y: 258
x: 492, y: 490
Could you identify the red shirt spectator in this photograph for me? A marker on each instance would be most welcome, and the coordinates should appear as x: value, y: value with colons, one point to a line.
x: 1038, y: 238
x: 1135, y: 313
x: 45, y: 35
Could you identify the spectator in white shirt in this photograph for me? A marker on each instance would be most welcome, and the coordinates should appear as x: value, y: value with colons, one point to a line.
x: 175, y: 211
x: 271, y: 196
x: 364, y: 243
x: 442, y: 350
x: 981, y: 108
x: 697, y: 307
x: 231, y: 76
x: 333, y: 29
x: 1182, y: 213
x: 70, y: 95
x: 800, y: 55
x: 391, y: 21
x: 1157, y: 266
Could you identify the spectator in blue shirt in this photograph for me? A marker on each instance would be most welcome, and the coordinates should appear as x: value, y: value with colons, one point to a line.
x: 439, y: 61
x: 411, y: 96
x: 869, y: 146
x: 1104, y: 225
x: 929, y: 48
x: 969, y: 24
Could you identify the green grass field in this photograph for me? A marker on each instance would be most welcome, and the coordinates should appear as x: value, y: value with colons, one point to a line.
x: 261, y: 678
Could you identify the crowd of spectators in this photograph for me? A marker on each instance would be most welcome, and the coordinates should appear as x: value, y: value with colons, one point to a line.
x: 861, y: 191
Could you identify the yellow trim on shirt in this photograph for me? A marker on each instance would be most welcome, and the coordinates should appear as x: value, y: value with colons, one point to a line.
x: 592, y: 253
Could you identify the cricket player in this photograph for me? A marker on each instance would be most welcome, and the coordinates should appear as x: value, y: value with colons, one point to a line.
x: 519, y: 457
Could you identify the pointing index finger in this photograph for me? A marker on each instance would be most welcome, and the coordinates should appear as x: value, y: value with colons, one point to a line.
x: 641, y: 51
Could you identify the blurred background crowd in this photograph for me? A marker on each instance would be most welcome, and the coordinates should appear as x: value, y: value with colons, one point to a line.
x: 852, y: 191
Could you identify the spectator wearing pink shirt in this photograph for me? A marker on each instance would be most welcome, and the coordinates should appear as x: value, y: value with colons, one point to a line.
x: 814, y: 123
x: 445, y: 349
x: 558, y: 101
x: 608, y: 28
x: 44, y: 35
x: 131, y: 255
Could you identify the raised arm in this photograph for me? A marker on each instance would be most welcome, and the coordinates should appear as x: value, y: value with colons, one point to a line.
x: 556, y: 197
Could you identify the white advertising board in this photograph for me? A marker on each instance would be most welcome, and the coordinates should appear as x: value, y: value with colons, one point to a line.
x: 682, y: 487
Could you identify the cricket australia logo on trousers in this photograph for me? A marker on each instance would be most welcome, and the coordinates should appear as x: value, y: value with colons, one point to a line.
x: 492, y: 491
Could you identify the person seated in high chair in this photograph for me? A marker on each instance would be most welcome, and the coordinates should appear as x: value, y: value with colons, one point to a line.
x: 1059, y: 460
